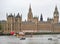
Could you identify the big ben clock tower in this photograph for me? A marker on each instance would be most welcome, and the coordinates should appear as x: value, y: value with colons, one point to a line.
x: 56, y: 15
x: 30, y: 16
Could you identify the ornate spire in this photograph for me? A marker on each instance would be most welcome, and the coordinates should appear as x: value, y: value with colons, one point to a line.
x: 18, y: 16
x: 41, y: 18
x: 21, y: 15
x: 30, y: 8
x: 6, y: 14
x: 56, y: 10
x: 14, y: 14
x: 10, y: 15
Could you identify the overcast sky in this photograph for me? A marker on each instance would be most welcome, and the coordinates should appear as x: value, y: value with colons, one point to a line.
x: 46, y: 7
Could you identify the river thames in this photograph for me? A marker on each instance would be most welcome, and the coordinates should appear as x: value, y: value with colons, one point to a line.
x: 35, y: 39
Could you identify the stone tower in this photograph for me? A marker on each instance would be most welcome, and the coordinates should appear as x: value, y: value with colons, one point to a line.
x: 56, y: 15
x: 10, y: 21
x: 18, y: 22
x: 30, y: 16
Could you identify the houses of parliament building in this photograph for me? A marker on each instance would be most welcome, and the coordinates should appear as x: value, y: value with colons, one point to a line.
x: 32, y: 24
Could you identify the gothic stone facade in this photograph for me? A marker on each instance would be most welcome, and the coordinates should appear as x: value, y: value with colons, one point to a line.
x: 32, y: 24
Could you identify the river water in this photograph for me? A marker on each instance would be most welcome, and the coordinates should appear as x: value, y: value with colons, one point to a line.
x: 35, y: 39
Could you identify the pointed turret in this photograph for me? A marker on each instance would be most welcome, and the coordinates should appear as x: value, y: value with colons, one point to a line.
x: 18, y: 16
x: 30, y: 10
x: 56, y: 11
x: 6, y: 14
x: 14, y: 14
x: 10, y: 15
x: 30, y: 16
x: 41, y: 18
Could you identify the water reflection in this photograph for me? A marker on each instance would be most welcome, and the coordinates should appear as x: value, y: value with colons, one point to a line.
x: 40, y: 39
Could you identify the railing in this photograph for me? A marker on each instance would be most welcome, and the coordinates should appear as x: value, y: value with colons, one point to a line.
x: 41, y: 33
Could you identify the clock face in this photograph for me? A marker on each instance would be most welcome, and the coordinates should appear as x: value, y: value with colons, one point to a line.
x: 55, y: 15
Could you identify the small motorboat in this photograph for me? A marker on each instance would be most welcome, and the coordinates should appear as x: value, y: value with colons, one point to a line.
x: 58, y: 37
x: 49, y: 38
x: 22, y: 38
x: 21, y: 35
